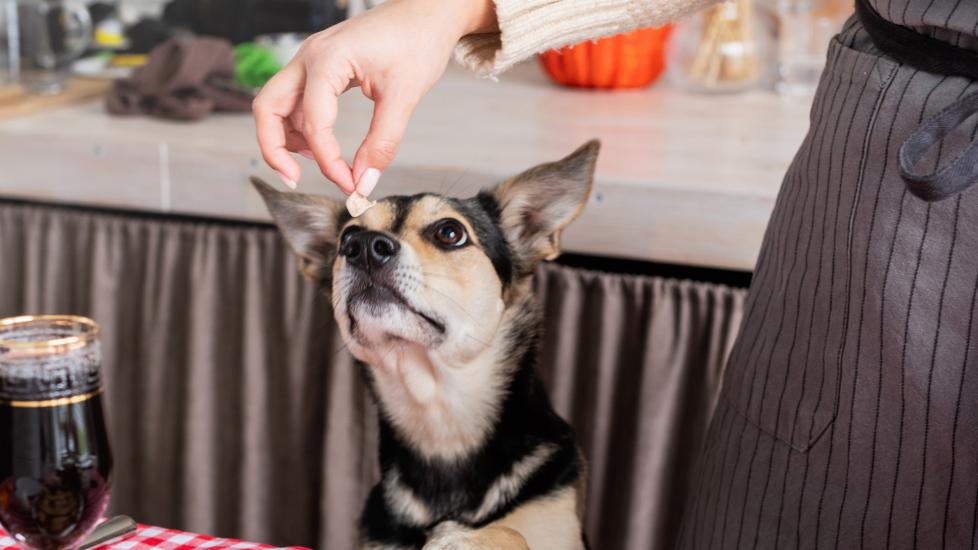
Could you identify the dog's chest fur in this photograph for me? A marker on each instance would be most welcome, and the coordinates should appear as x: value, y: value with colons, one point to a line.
x: 521, y: 450
x: 443, y: 412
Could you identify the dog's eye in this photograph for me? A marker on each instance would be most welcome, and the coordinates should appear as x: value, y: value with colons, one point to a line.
x: 349, y: 232
x: 449, y: 233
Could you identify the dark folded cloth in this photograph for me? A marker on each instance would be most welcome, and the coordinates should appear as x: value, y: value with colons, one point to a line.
x: 183, y: 79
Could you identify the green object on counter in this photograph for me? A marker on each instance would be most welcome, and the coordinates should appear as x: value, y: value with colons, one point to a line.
x: 254, y: 65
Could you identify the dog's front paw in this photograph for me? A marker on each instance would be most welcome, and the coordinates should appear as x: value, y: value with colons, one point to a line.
x: 455, y: 537
x: 455, y: 541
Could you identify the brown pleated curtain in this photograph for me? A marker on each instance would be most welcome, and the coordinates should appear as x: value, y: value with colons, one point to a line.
x: 235, y: 410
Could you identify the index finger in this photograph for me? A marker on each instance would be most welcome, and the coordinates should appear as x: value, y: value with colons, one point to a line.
x: 276, y: 101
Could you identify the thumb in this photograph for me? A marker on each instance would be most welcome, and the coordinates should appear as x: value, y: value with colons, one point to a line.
x: 387, y: 128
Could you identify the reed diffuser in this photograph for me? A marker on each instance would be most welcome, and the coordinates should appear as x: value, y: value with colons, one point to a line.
x: 723, y: 49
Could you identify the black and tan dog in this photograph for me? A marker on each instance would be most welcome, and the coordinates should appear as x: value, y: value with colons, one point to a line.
x: 434, y: 295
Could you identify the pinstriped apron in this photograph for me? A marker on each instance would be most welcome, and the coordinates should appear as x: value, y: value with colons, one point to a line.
x: 849, y: 412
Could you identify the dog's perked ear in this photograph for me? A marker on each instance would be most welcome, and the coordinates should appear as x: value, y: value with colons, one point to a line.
x: 538, y: 204
x: 310, y: 225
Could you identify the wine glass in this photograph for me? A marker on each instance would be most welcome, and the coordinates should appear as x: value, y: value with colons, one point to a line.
x: 55, y: 460
x: 52, y: 35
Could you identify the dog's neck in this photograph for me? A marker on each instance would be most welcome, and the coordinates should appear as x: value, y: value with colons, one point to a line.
x: 444, y: 408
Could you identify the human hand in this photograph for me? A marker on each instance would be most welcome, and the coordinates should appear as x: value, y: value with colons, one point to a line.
x: 395, y: 53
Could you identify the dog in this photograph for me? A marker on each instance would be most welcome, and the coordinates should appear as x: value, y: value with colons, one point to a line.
x: 433, y: 296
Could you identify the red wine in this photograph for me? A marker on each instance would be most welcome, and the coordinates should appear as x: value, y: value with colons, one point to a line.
x: 55, y: 464
x: 54, y: 452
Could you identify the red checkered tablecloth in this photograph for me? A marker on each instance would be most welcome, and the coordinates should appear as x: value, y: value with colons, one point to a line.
x: 157, y: 537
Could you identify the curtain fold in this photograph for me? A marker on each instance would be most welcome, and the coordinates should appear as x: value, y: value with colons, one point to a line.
x: 234, y: 408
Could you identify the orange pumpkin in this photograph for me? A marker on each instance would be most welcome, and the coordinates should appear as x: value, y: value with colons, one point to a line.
x: 630, y: 60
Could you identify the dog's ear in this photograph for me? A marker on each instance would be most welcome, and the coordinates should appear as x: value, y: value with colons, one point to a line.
x: 538, y: 204
x: 310, y: 225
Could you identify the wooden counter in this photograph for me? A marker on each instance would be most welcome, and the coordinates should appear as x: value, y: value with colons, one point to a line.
x: 685, y: 179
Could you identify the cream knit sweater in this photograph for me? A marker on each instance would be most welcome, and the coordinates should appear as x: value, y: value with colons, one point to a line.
x: 527, y: 27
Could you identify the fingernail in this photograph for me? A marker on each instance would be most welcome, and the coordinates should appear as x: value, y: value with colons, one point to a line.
x: 368, y: 181
x: 288, y: 183
x: 308, y: 154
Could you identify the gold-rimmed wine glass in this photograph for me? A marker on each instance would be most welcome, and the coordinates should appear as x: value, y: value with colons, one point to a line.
x: 55, y: 461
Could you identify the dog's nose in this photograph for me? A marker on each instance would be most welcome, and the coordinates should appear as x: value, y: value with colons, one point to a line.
x: 369, y: 250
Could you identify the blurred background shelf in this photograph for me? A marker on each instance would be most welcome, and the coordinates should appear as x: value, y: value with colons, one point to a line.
x: 683, y: 178
x: 15, y: 103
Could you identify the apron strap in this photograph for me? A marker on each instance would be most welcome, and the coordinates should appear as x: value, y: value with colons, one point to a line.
x: 934, y: 56
x: 955, y: 176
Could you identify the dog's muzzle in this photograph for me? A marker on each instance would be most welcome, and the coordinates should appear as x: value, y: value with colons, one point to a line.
x: 375, y: 281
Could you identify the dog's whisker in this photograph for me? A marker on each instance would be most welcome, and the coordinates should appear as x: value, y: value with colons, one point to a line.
x: 340, y: 349
x: 417, y: 280
x: 443, y: 294
x: 483, y: 342
x: 390, y: 350
x: 445, y: 195
x: 453, y: 301
x: 436, y: 275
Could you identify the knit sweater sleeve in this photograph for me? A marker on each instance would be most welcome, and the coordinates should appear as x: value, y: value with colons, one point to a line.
x: 527, y: 27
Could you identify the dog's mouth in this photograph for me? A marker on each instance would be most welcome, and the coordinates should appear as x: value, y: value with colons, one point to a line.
x: 374, y: 293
